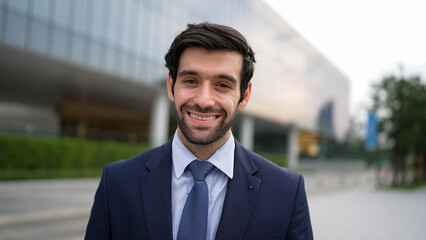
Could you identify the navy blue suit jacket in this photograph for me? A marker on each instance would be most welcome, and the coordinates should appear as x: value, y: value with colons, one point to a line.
x: 263, y: 201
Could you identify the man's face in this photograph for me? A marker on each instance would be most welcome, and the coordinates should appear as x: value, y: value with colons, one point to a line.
x: 206, y: 93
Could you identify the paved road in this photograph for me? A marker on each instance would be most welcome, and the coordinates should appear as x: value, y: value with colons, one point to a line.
x: 45, y: 209
x: 343, y: 203
x: 370, y: 214
x: 68, y: 228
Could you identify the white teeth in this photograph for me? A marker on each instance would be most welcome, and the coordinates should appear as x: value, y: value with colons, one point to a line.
x: 202, y: 118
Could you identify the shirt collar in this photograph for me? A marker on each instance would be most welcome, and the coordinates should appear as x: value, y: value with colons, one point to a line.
x: 223, y: 158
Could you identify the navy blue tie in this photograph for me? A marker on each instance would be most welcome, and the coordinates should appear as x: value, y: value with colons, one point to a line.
x: 193, y: 224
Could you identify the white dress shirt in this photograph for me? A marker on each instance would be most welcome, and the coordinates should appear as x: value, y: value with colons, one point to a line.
x: 217, y: 180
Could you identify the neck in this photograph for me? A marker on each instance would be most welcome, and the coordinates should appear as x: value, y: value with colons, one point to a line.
x: 203, y: 152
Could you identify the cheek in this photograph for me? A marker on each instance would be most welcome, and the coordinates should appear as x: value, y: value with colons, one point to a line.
x: 228, y: 103
x: 181, y: 97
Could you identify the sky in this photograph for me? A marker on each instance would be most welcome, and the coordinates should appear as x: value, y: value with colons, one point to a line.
x: 364, y: 39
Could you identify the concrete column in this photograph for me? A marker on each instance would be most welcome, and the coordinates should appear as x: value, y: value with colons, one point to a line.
x: 247, y: 132
x: 293, y: 148
x: 159, y: 126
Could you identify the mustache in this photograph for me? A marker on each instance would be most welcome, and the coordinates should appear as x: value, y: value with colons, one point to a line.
x: 197, y: 108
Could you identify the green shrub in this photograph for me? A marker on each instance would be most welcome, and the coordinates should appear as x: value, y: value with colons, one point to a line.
x: 278, y: 158
x: 44, y: 157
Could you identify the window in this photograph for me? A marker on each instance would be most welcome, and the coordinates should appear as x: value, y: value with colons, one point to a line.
x: 103, y: 48
x: 97, y: 17
x: 41, y: 9
x: 62, y: 10
x: 156, y: 52
x: 95, y: 52
x: 80, y: 13
x: 20, y: 6
x: 111, y: 57
x: 39, y: 36
x: 132, y: 66
x: 144, y: 31
x: 140, y: 70
x: 121, y: 64
x: 16, y: 29
x: 59, y: 43
x: 78, y: 49
x: 1, y: 19
x: 121, y: 17
x: 112, y: 22
x: 132, y: 25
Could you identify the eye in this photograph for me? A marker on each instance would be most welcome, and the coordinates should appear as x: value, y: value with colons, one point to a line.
x: 190, y: 81
x: 223, y: 85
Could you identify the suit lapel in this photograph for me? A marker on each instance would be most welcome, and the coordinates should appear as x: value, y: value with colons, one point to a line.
x: 156, y: 193
x: 240, y: 197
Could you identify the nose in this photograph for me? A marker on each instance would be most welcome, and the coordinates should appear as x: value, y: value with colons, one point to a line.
x: 204, y: 96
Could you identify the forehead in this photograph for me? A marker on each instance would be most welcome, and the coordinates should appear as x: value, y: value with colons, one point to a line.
x: 211, y: 62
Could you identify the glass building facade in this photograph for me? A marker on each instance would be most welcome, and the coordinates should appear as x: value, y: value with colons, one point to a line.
x: 98, y: 64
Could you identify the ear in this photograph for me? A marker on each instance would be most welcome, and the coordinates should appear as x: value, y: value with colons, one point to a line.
x: 169, y: 88
x: 244, y: 102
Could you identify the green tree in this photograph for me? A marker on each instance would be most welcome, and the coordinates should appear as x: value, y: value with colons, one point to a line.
x: 401, y: 104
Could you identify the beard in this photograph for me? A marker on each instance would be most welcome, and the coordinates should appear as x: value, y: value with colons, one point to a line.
x: 213, y: 135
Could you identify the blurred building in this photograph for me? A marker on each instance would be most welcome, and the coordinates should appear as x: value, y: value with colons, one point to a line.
x: 95, y: 69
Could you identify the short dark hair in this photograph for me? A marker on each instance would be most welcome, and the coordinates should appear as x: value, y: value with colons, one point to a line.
x: 212, y: 37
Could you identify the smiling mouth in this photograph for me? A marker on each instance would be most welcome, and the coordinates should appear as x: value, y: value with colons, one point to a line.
x: 203, y: 118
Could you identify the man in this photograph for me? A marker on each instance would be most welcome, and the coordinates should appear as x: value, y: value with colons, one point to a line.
x: 159, y: 193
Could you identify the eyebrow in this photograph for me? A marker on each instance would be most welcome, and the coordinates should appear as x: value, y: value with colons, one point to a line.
x: 188, y: 72
x: 222, y: 76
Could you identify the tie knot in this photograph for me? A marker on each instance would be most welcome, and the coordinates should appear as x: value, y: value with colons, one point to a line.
x: 200, y: 169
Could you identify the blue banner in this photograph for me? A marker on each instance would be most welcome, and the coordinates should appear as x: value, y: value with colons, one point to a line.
x: 372, y: 127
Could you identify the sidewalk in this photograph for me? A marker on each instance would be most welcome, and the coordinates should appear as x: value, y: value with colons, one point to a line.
x: 45, y: 209
x: 34, y: 200
x: 369, y: 214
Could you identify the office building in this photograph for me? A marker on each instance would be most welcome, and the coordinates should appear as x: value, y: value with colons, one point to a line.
x: 95, y: 69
